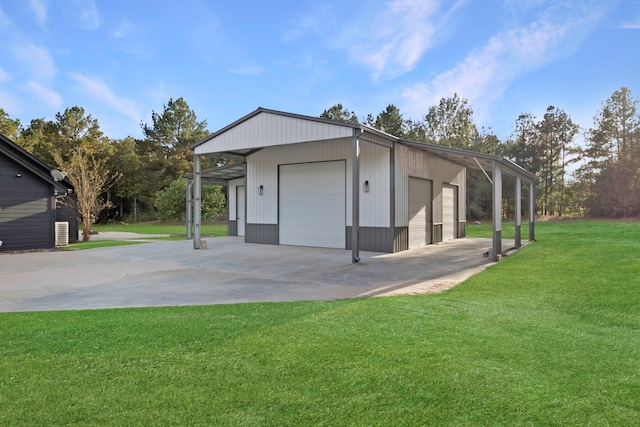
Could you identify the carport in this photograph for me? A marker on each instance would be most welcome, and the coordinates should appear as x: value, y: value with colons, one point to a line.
x: 493, y: 167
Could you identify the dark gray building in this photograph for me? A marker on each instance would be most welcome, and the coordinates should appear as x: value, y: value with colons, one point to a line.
x: 32, y: 203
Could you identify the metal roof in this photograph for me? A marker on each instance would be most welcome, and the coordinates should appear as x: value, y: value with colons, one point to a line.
x: 220, y: 175
x: 465, y: 158
x: 472, y: 159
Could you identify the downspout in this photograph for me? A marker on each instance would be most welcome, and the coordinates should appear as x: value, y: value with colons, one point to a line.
x: 355, y: 196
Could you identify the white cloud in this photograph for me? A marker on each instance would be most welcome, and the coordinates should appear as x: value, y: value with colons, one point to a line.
x: 48, y: 96
x: 103, y: 93
x: 631, y: 25
x: 38, y: 61
x: 396, y: 39
x: 40, y: 9
x: 486, y: 72
x: 247, y: 70
x: 4, y: 75
x: 388, y: 37
x: 124, y: 30
x: 88, y: 14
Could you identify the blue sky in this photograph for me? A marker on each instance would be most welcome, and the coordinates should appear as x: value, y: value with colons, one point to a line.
x: 122, y: 59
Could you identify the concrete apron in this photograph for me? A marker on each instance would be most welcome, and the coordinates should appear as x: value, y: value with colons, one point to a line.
x: 171, y: 273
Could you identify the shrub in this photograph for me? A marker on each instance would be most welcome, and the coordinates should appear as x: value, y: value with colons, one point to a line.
x: 171, y: 202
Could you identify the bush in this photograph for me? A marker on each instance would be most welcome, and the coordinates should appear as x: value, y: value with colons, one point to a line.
x: 171, y: 202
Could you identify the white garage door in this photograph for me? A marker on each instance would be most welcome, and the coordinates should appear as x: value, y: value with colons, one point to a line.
x: 240, y: 203
x: 419, y: 212
x: 313, y: 204
x: 448, y: 212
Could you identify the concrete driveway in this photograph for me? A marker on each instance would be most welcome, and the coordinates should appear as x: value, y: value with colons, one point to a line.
x: 171, y: 273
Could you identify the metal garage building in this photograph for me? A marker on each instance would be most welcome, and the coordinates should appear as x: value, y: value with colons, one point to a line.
x: 299, y: 180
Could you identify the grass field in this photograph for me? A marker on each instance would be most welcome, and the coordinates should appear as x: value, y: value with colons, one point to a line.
x: 548, y: 336
x: 177, y: 230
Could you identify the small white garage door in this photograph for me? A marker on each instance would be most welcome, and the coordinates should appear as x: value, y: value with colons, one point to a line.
x: 419, y: 212
x: 312, y: 205
x: 240, y: 204
x: 448, y: 212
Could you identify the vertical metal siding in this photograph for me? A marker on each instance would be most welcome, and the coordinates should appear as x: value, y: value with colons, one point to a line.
x: 267, y: 129
x: 374, y: 167
x: 413, y: 162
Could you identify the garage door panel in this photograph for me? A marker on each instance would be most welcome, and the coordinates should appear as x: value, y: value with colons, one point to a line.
x: 419, y: 212
x: 448, y: 212
x: 312, y: 204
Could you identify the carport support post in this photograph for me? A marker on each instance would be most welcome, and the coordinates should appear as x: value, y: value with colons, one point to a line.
x: 518, y: 212
x: 532, y: 211
x: 197, y: 205
x: 189, y: 209
x: 355, y: 198
x: 497, y: 212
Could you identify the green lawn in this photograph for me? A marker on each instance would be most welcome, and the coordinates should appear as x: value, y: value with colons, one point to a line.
x: 548, y: 336
x: 508, y: 229
x: 92, y: 244
x: 177, y: 230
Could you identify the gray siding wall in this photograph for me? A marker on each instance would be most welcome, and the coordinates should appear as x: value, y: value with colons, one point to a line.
x: 374, y: 239
x: 232, y: 227
x: 462, y: 229
x: 66, y: 211
x: 437, y: 233
x: 401, y: 239
x: 267, y: 234
x: 26, y: 213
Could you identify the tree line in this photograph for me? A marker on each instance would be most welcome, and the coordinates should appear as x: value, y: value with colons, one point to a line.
x: 138, y: 179
x: 599, y: 178
x: 130, y: 179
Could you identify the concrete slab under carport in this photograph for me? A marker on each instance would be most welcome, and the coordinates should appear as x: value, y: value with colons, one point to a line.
x: 170, y: 273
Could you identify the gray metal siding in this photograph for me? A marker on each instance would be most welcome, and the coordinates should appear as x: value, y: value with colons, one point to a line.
x: 26, y: 217
x: 268, y: 129
x: 232, y: 227
x: 374, y: 239
x: 462, y: 229
x: 266, y: 234
x: 437, y: 233
x: 400, y: 239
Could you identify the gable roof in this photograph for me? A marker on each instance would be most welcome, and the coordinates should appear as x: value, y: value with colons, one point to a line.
x: 30, y: 162
x: 265, y: 128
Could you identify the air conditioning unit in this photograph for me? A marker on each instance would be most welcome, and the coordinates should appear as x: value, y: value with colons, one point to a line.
x: 62, y: 233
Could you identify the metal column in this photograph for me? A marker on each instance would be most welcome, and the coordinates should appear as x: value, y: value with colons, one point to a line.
x: 355, y: 198
x: 532, y: 211
x: 197, y: 205
x: 189, y: 197
x: 497, y: 212
x: 518, y: 212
